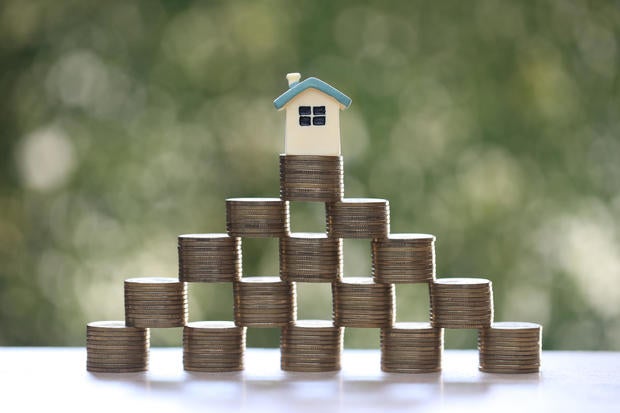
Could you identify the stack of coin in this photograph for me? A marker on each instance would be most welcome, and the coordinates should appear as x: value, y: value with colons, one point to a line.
x: 155, y: 302
x: 411, y: 348
x: 311, y: 178
x: 404, y: 258
x: 461, y: 303
x: 112, y: 347
x: 213, y: 346
x: 510, y: 347
x: 264, y: 302
x: 257, y: 217
x: 209, y: 258
x: 360, y: 302
x: 358, y: 218
x: 310, y: 257
x: 311, y: 346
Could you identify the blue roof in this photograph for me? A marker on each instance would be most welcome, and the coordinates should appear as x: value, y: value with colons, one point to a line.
x: 311, y: 82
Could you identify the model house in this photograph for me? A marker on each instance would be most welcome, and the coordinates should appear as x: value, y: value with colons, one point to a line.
x: 312, y: 116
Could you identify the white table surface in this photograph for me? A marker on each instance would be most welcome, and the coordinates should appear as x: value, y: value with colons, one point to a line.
x: 55, y: 379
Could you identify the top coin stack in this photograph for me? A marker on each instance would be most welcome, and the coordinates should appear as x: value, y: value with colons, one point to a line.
x: 311, y: 178
x: 209, y: 258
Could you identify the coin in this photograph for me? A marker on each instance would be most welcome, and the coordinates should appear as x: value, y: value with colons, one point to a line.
x: 404, y: 258
x: 209, y: 257
x: 310, y: 257
x: 358, y: 218
x: 155, y: 302
x: 113, y: 346
x: 311, y: 178
x: 311, y: 345
x: 413, y: 347
x: 461, y: 282
x: 360, y: 302
x: 257, y: 217
x: 510, y: 347
x: 213, y: 346
x: 263, y: 302
x: 97, y: 369
x: 461, y: 303
x: 377, y: 305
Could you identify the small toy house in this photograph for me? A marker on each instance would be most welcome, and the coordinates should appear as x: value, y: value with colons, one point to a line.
x: 312, y: 116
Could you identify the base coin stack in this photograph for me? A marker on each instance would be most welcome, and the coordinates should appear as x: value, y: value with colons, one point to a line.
x: 257, y: 217
x: 510, y: 347
x: 311, y: 178
x: 155, y: 302
x: 358, y: 218
x: 360, y: 302
x: 111, y: 347
x: 404, y: 258
x: 213, y: 346
x: 311, y: 346
x: 411, y: 348
x: 209, y: 258
x: 264, y: 302
x: 461, y: 303
x: 310, y: 257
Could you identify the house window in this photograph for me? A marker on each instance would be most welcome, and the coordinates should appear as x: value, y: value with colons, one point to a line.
x: 312, y: 115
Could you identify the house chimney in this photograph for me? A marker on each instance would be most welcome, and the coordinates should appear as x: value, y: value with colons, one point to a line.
x: 293, y: 79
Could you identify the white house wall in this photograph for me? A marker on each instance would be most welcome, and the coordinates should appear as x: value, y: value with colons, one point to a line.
x: 312, y: 140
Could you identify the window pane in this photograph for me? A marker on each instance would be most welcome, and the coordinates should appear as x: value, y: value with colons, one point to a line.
x: 304, y: 121
x: 318, y: 110
x: 318, y: 120
x: 304, y: 110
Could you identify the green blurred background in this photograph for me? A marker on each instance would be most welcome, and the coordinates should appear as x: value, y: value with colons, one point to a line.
x: 492, y: 124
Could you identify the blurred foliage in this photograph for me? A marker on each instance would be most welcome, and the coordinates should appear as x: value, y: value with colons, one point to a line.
x: 491, y: 124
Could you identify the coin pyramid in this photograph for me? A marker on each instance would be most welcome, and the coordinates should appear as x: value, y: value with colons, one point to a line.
x: 358, y: 302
